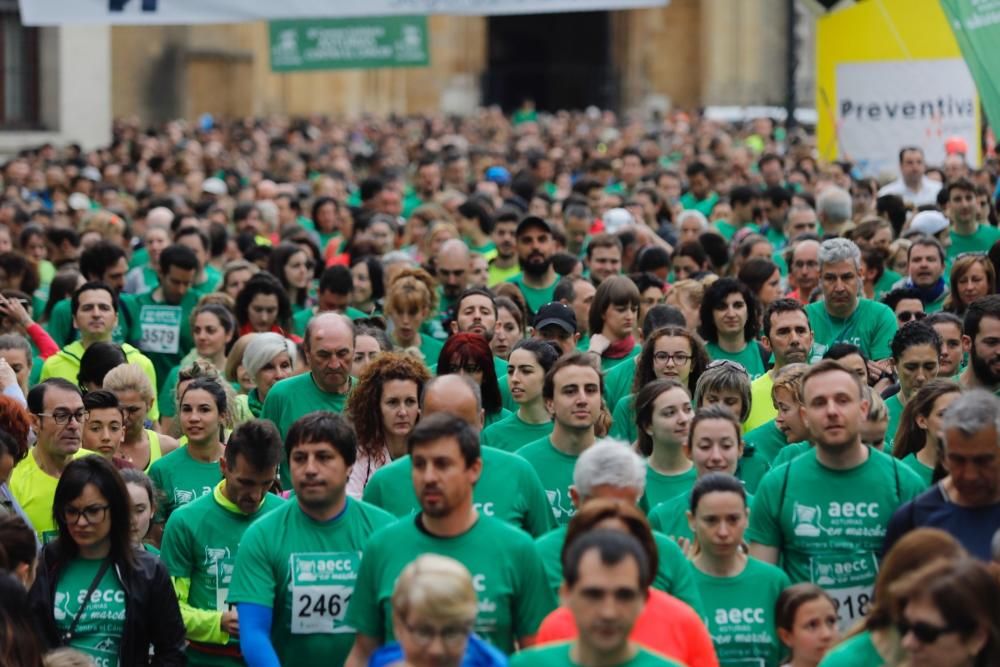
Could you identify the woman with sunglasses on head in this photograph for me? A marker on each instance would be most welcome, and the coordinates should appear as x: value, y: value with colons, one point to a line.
x: 973, y: 276
x: 874, y: 641
x: 469, y: 354
x: 669, y: 352
x: 738, y: 592
x: 530, y: 360
x: 95, y: 591
x: 267, y: 358
x: 729, y: 325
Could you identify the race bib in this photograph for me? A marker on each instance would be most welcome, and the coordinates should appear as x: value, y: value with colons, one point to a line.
x: 161, y: 329
x: 223, y: 577
x: 321, y: 587
x: 849, y: 579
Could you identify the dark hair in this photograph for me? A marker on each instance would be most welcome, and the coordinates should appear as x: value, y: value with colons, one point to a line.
x: 258, y: 441
x: 838, y: 351
x: 97, y: 361
x: 613, y: 546
x: 139, y: 478
x: 444, y: 425
x: 99, y: 400
x: 62, y: 286
x: 374, y: 274
x: 643, y: 281
x: 98, y: 258
x: 36, y: 395
x: 652, y: 258
x: 17, y: 543
x: 221, y: 313
x: 206, y: 242
x: 777, y: 195
x: 717, y: 411
x: 263, y: 283
x: 893, y: 297
x: 603, y: 241
x: 987, y: 306
x: 756, y: 272
x: 19, y: 643
x: 180, y: 256
x: 473, y: 291
x: 280, y: 256
x: 696, y: 168
x: 779, y: 306
x: 716, y: 482
x: 546, y: 353
x: 613, y: 291
x: 914, y: 333
x: 212, y: 386
x: 694, y: 250
x: 644, y: 373
x: 941, y: 317
x: 469, y: 347
x: 101, y: 473
x: 791, y: 599
x: 336, y: 279
x: 472, y: 210
x: 363, y: 405
x: 322, y: 426
x: 715, y: 296
x: 959, y: 184
x: 910, y: 438
x: 15, y: 264
x: 644, y: 402
x: 515, y: 309
x: 92, y: 286
x: 572, y: 359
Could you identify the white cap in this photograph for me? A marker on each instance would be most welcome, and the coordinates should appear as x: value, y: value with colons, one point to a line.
x: 78, y: 201
x: 91, y: 173
x: 929, y: 222
x: 215, y: 186
x: 616, y: 219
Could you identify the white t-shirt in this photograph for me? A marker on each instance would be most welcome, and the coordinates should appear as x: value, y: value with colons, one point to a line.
x: 927, y: 194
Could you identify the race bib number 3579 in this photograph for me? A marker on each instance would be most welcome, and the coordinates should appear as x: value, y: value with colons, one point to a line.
x: 161, y: 329
x: 321, y: 588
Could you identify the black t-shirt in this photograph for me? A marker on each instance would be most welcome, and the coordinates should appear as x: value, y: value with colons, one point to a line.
x: 973, y: 527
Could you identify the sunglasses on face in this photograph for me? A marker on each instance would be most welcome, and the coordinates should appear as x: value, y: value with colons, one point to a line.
x: 906, y: 315
x: 925, y: 633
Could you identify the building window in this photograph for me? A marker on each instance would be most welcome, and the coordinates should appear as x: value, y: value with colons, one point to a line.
x: 18, y: 72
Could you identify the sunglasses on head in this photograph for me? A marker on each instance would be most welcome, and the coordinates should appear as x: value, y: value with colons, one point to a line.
x: 906, y: 315
x: 925, y: 633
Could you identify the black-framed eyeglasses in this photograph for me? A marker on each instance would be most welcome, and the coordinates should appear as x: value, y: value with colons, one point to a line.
x: 452, y: 636
x: 906, y: 315
x: 925, y: 633
x: 679, y: 358
x: 62, y: 417
x: 91, y: 514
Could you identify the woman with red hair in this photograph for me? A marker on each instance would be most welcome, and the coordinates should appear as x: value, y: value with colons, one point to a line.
x: 469, y: 354
x: 15, y: 427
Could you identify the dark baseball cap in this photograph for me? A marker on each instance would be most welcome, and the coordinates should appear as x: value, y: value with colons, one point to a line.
x: 556, y: 313
x: 533, y: 221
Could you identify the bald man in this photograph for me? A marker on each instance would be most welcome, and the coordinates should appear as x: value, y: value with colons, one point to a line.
x: 508, y: 487
x: 452, y: 263
x: 329, y: 350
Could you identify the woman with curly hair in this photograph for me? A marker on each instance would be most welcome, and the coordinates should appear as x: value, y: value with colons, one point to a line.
x: 409, y: 301
x: 729, y: 325
x: 263, y: 305
x: 469, y: 354
x: 384, y: 407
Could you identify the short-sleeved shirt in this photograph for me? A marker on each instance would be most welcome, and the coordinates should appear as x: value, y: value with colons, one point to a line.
x: 670, y: 516
x: 856, y: 651
x: 508, y: 489
x: 510, y: 581
x: 979, y: 241
x: 829, y: 524
x: 35, y: 490
x: 767, y: 441
x: 618, y: 382
x: 926, y: 473
x: 512, y: 433
x: 534, y: 296
x: 182, y: 479
x: 749, y: 357
x: 673, y: 575
x: 871, y: 327
x: 739, y: 613
x: 306, y: 571
x: 555, y: 469
x: 99, y: 631
x: 661, y: 488
x: 161, y: 330
x: 894, y: 408
x: 558, y: 655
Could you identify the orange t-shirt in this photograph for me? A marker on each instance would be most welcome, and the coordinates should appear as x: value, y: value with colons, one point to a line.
x: 666, y: 626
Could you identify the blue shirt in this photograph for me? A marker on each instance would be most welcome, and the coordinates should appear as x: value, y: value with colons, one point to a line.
x: 478, y: 653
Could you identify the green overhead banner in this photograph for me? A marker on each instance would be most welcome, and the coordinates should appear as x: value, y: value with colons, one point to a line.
x: 976, y: 24
x: 356, y: 43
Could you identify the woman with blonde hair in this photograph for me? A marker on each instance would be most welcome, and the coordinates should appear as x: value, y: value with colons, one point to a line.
x: 434, y: 608
x: 141, y: 446
x: 409, y: 301
x: 972, y: 277
x: 686, y: 296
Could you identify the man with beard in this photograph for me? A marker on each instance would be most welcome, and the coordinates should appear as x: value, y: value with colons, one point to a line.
x: 329, y: 350
x: 535, y: 247
x: 452, y: 264
x: 830, y: 506
x: 789, y: 337
x: 504, y: 265
x: 476, y: 312
x: 510, y: 580
x: 925, y: 266
x: 966, y: 503
x: 981, y: 340
x: 297, y: 567
x: 916, y: 349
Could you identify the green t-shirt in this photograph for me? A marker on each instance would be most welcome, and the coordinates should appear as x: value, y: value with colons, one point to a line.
x: 670, y: 516
x: 729, y: 230
x: 161, y: 331
x: 673, y: 575
x: 623, y: 424
x: 776, y: 237
x: 608, y: 364
x: 751, y: 469
x: 508, y: 489
x: 295, y: 397
x: 558, y: 655
x: 555, y: 469
x: 871, y: 327
x: 704, y: 206
x: 200, y: 543
x: 767, y: 441
x: 512, y: 433
x: 99, y: 631
x: 181, y: 480
x: 739, y: 613
x: 535, y: 297
x: 884, y: 284
x: 857, y: 651
x: 791, y: 452
x: 749, y: 357
x: 306, y: 571
x: 510, y: 581
x: 618, y: 382
x: 925, y: 473
x: 980, y: 241
x: 491, y: 418
x: 829, y: 525
x: 895, y: 410
x: 661, y: 488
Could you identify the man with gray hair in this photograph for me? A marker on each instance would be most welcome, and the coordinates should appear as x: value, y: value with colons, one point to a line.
x: 966, y: 503
x: 833, y: 206
x: 610, y: 469
x: 842, y: 316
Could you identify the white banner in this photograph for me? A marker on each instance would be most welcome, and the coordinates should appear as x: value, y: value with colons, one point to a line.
x: 883, y: 106
x: 168, y: 12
